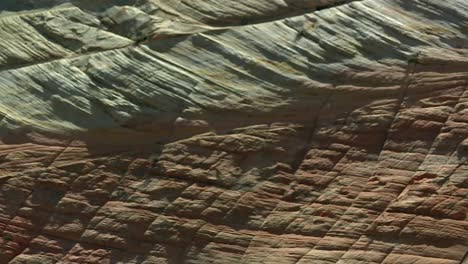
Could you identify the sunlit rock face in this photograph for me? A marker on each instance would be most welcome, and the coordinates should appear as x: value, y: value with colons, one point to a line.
x: 215, y: 131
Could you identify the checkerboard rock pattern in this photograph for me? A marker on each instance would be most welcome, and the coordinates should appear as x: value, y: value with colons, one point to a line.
x: 221, y: 132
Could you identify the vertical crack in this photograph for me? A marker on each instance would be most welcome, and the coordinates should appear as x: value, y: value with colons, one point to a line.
x: 310, y: 130
x: 410, y: 69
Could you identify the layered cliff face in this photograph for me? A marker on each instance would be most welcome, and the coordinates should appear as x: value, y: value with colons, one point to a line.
x: 234, y: 132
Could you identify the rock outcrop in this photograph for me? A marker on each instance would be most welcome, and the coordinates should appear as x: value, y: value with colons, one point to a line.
x: 234, y: 132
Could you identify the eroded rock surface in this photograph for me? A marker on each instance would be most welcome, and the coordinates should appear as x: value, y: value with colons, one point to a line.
x: 190, y: 132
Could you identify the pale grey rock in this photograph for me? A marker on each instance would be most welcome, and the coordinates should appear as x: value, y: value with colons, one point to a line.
x: 338, y: 136
x: 43, y: 36
x: 203, y: 75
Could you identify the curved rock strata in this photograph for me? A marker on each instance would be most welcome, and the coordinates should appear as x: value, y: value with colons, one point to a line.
x: 190, y: 132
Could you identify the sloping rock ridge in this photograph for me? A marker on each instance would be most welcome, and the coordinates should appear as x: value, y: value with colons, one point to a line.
x: 251, y: 131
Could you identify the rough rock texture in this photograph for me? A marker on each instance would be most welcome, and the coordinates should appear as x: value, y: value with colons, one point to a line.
x: 188, y: 132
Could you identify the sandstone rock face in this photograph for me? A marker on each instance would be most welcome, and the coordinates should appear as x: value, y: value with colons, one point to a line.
x: 234, y: 132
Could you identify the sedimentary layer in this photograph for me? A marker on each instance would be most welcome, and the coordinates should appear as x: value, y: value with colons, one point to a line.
x: 214, y: 132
